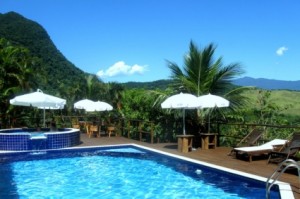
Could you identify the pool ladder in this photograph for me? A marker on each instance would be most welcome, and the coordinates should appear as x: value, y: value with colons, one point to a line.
x: 278, y: 172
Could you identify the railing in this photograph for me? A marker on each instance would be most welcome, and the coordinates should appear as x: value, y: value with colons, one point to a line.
x: 133, y: 129
x: 278, y: 172
x: 228, y: 134
x: 138, y: 129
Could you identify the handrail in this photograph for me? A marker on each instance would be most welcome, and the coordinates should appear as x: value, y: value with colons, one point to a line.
x: 256, y: 124
x: 276, y: 174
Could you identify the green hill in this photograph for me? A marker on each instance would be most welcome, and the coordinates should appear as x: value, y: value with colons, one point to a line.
x: 159, y: 84
x: 290, y: 100
x: 59, y: 72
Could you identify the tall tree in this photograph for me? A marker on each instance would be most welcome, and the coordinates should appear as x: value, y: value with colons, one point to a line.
x: 115, y: 94
x: 16, y: 74
x: 202, y: 74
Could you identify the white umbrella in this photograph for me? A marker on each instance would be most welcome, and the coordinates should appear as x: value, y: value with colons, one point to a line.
x: 101, y: 106
x: 84, y: 104
x: 90, y: 105
x: 181, y: 101
x: 40, y: 100
x: 212, y: 101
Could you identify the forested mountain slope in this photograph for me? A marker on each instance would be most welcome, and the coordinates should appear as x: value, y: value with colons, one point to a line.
x: 59, y: 73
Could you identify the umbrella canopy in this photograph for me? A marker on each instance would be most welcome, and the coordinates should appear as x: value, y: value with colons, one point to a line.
x: 90, y: 106
x: 181, y: 101
x: 40, y: 100
x: 84, y: 104
x: 101, y: 106
x: 212, y: 101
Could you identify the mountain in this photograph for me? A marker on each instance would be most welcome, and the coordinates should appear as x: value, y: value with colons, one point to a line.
x: 262, y: 83
x: 159, y: 84
x: 268, y: 84
x: 59, y: 73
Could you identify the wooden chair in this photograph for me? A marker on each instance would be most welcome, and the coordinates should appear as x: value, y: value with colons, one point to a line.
x: 76, y: 126
x: 92, y: 130
x: 111, y: 130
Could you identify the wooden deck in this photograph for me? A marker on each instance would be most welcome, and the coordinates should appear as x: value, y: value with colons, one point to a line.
x: 218, y: 156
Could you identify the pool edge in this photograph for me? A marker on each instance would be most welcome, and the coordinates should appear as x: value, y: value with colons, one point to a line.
x: 285, y: 189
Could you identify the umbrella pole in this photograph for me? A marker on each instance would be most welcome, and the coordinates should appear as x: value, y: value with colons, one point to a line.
x: 183, y: 120
x: 208, y: 122
x: 44, y: 118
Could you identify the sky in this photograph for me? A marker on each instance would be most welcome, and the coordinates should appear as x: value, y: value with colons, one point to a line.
x: 132, y: 40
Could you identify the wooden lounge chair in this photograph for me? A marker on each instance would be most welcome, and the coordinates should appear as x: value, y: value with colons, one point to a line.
x: 288, y: 151
x: 263, y: 149
x: 250, y: 139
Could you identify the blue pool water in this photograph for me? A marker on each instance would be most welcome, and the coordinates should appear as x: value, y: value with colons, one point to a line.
x: 121, y: 172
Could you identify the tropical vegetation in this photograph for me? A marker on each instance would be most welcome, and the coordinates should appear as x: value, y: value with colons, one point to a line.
x: 201, y: 75
x: 29, y: 60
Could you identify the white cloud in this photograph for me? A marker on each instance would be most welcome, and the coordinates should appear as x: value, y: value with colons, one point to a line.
x: 121, y: 68
x: 281, y: 50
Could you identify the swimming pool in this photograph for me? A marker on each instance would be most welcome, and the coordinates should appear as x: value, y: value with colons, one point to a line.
x: 123, y: 171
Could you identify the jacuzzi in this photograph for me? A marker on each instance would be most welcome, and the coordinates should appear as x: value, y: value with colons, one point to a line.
x: 23, y: 139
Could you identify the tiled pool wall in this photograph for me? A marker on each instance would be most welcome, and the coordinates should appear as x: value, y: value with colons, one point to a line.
x: 15, y: 142
x: 22, y: 140
x: 62, y: 140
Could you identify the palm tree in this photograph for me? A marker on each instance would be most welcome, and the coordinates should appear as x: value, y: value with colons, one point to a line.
x: 16, y: 73
x: 202, y: 75
x: 115, y: 93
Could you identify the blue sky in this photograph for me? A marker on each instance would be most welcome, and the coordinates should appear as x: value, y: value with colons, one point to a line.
x: 130, y: 40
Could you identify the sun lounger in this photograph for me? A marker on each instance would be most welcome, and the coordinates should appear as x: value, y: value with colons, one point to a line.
x: 266, y: 148
x: 289, y: 151
x: 249, y: 140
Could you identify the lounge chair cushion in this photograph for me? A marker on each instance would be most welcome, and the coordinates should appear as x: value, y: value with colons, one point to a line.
x: 266, y: 146
x: 260, y: 150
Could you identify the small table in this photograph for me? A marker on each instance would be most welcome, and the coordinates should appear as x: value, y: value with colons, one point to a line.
x: 208, y: 140
x: 184, y: 143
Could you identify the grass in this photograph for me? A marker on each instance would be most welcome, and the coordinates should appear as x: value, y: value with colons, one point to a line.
x: 290, y: 100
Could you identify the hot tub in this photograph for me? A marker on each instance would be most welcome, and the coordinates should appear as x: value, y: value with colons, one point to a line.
x: 23, y: 139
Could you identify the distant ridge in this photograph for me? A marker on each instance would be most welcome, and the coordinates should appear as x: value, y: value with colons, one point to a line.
x: 262, y: 83
x: 268, y: 84
x: 158, y: 84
